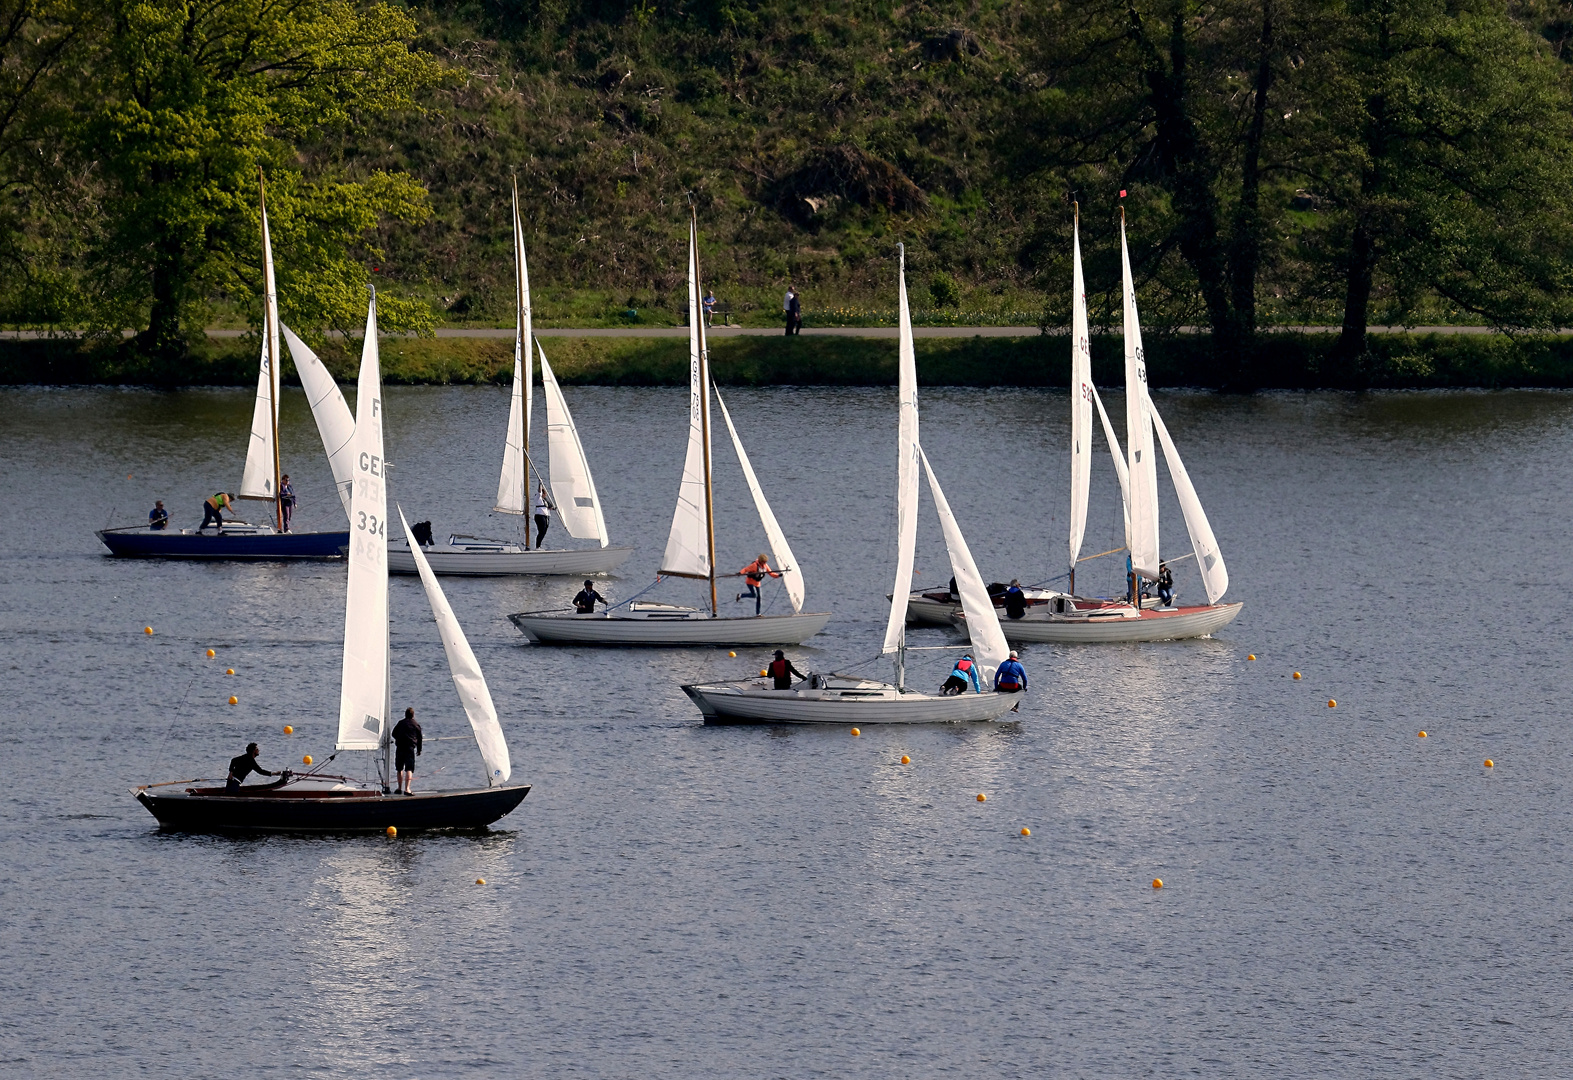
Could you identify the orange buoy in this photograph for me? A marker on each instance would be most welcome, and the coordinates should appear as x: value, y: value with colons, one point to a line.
x: 762, y: 673
x: 905, y: 760
x: 1157, y: 882
x: 233, y: 700
x: 855, y: 731
x: 982, y: 797
x: 288, y: 730
x: 1490, y: 764
x: 732, y: 654
x: 306, y: 760
x: 229, y: 671
x: 211, y: 654
x: 1026, y: 831
x: 392, y: 831
x: 1250, y: 656
x: 147, y: 629
x: 1331, y: 704
x: 1421, y: 735
x: 1297, y: 674
x: 480, y: 881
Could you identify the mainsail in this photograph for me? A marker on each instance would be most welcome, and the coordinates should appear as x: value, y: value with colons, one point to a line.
x: 511, y: 496
x: 1081, y: 400
x: 334, y: 422
x: 1142, y: 532
x: 907, y: 451
x: 363, y: 689
x: 260, y: 478
x: 572, y: 488
x: 687, y: 545
x: 983, y: 625
x: 791, y: 576
x: 466, y: 670
x: 1120, y: 470
x: 1209, y: 560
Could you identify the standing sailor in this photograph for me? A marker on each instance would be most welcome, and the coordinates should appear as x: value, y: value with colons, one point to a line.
x: 1015, y: 600
x: 1165, y: 584
x: 407, y: 746
x: 781, y: 670
x: 754, y: 580
x: 286, y: 500
x: 543, y: 514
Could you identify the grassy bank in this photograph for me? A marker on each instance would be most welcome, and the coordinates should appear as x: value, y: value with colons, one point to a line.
x: 1283, y: 361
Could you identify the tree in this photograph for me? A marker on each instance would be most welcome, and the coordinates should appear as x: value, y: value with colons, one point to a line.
x: 192, y: 99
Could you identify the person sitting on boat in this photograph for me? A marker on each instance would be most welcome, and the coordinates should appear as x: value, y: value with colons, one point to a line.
x: 246, y: 764
x: 286, y: 500
x: 543, y: 514
x: 966, y: 669
x: 406, y: 747
x: 754, y: 580
x: 211, y: 509
x: 781, y: 670
x: 158, y: 517
x: 1011, y: 678
x: 1165, y: 585
x: 1015, y: 600
x: 584, y: 603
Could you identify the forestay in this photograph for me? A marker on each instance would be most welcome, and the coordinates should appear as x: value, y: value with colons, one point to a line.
x: 466, y: 670
x: 1142, y: 532
x: 363, y: 689
x: 260, y: 478
x: 1081, y: 400
x: 511, y: 496
x: 983, y: 625
x: 791, y: 577
x: 906, y: 468
x: 572, y: 487
x: 687, y: 545
x: 334, y: 422
x: 1215, y: 576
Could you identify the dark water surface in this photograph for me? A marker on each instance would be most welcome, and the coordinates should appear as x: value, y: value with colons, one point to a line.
x: 1342, y: 898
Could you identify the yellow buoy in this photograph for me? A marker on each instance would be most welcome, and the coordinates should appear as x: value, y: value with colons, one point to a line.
x: 1489, y: 763
x: 1331, y: 704
x: 732, y: 654
x: 306, y: 760
x: 147, y: 629
x: 1250, y: 656
x: 855, y: 731
x: 1026, y: 831
x: 392, y: 831
x: 1297, y: 674
x: 762, y: 673
x: 233, y: 700
x: 906, y: 760
x: 288, y: 730
x: 982, y: 797
x: 1157, y: 882
x: 229, y: 671
x: 1422, y: 735
x: 480, y: 881
x: 211, y: 654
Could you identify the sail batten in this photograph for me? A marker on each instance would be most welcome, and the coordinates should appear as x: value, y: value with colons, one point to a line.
x: 363, y: 688
x: 259, y: 480
x: 573, y: 489
x: 786, y: 565
x: 1142, y: 531
x: 334, y: 423
x: 687, y: 545
x: 1081, y: 401
x: 907, y: 451
x: 468, y: 679
x: 1209, y: 560
x: 988, y: 640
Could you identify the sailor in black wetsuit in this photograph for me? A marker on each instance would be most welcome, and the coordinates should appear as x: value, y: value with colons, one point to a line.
x: 407, y: 745
x: 584, y: 602
x: 244, y: 766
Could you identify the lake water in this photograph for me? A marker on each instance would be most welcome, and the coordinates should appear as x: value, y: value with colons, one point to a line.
x: 1342, y: 898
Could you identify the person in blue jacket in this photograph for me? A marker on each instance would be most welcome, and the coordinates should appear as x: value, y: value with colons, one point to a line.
x: 966, y: 669
x: 158, y: 517
x: 1011, y: 678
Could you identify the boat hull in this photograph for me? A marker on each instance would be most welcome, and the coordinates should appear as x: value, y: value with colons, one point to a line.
x: 685, y: 629
x: 169, y: 544
x: 475, y: 809
x: 860, y: 704
x: 1150, y: 625
x: 477, y: 561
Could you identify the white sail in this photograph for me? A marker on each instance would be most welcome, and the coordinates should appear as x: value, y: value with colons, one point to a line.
x: 334, y: 422
x: 511, y: 496
x: 687, y: 545
x: 363, y: 689
x: 573, y: 490
x: 260, y: 479
x: 906, y: 469
x: 1081, y: 400
x: 1142, y: 533
x: 1215, y: 576
x: 791, y: 576
x: 983, y: 625
x: 466, y: 670
x: 1120, y: 470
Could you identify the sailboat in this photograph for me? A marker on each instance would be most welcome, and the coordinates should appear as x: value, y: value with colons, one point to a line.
x: 1070, y: 618
x: 568, y: 471
x: 260, y: 479
x: 840, y: 699
x: 315, y: 802
x: 690, y: 547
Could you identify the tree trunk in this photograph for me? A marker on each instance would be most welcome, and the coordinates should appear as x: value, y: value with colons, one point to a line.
x: 1357, y: 292
x: 1245, y: 255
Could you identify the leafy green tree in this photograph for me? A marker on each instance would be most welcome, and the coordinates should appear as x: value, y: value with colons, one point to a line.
x: 191, y: 100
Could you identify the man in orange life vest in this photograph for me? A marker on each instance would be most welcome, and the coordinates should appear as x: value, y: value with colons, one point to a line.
x: 781, y: 670
x: 753, y: 578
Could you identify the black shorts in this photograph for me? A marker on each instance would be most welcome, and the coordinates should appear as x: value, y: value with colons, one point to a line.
x: 404, y: 760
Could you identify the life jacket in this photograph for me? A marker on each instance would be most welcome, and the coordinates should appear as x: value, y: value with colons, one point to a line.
x: 754, y: 573
x: 778, y: 669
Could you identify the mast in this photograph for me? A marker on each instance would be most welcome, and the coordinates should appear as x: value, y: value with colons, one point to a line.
x: 704, y: 414
x: 270, y: 330
x: 525, y: 331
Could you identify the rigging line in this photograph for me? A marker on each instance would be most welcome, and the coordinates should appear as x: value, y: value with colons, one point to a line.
x: 1101, y: 554
x: 1045, y: 581
x: 173, y: 720
x: 1180, y: 558
x: 635, y: 596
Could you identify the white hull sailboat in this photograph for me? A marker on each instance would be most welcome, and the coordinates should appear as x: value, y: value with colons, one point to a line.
x: 690, y: 547
x: 578, y: 508
x: 838, y: 699
x: 316, y: 802
x: 1071, y: 618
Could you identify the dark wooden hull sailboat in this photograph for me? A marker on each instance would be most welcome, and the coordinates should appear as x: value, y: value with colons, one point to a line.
x: 342, y: 809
